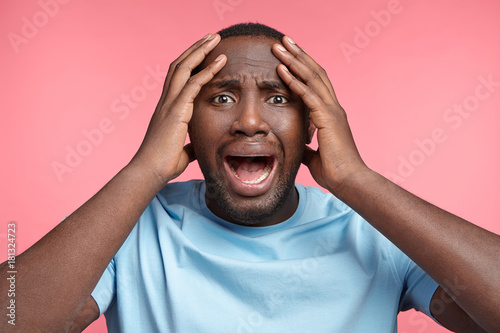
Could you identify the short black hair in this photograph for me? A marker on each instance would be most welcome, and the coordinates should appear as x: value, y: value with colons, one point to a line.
x: 250, y: 29
x: 246, y: 29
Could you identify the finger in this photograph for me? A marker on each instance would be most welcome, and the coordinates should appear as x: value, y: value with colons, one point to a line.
x: 303, y: 71
x: 186, y: 53
x: 183, y: 69
x: 192, y: 48
x: 193, y: 86
x: 299, y: 52
x: 175, y: 63
x: 313, y: 101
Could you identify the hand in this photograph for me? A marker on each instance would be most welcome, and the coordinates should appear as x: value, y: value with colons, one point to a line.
x: 162, y: 149
x: 337, y: 157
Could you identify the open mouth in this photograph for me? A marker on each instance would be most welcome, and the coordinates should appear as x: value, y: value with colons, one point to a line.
x: 251, y: 170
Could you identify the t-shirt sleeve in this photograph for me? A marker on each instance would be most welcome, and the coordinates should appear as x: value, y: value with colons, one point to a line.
x: 418, y: 286
x: 105, y: 290
x: 418, y: 290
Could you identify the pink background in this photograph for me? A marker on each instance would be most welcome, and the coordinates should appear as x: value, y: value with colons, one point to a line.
x: 66, y: 65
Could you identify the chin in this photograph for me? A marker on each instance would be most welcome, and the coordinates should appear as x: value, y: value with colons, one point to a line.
x: 251, y: 216
x: 249, y: 211
x: 256, y: 202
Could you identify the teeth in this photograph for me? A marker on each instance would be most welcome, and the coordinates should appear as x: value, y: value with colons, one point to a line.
x: 265, y: 173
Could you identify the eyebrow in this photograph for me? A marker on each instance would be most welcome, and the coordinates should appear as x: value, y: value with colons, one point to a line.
x: 221, y: 84
x: 265, y: 84
x: 272, y: 85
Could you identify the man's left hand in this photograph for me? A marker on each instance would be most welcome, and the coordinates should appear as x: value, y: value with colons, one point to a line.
x: 337, y: 157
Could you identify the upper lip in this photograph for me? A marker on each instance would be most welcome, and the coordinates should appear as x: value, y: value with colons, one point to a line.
x: 249, y: 149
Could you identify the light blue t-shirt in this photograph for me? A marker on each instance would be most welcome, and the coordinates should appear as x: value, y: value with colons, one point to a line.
x: 183, y: 269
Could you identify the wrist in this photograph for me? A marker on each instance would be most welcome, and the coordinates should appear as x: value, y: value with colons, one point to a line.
x: 146, y: 174
x: 352, y: 185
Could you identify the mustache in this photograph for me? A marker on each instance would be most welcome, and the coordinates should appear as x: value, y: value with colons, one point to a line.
x: 278, y: 147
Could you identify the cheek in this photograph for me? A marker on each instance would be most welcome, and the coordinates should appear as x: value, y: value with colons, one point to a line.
x: 195, y: 117
x: 196, y: 131
x: 204, y: 134
x: 292, y: 130
x: 210, y: 125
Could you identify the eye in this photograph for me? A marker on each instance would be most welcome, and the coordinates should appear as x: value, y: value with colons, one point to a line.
x: 277, y: 100
x: 223, y: 99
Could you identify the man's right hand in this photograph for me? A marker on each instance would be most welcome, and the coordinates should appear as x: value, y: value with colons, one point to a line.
x: 74, y: 255
x: 163, y: 150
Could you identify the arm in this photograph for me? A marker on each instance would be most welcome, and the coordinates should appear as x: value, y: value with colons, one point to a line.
x: 460, y: 256
x: 88, y: 314
x: 57, y: 274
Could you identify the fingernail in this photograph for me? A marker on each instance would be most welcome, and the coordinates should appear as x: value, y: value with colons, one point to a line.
x: 211, y: 37
x: 281, y: 48
x: 291, y: 40
x: 284, y: 67
x: 206, y: 36
x: 219, y: 58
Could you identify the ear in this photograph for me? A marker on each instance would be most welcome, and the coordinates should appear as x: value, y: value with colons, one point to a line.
x: 189, y: 147
x: 310, y: 128
x: 310, y: 132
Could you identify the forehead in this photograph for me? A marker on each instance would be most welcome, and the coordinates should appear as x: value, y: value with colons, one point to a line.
x: 247, y: 57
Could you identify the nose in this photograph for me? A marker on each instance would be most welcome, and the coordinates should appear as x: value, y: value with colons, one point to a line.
x: 250, y: 120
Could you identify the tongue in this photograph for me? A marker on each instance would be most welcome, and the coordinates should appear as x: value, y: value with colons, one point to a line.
x: 248, y: 168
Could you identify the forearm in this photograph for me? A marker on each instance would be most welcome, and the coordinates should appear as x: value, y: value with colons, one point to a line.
x: 57, y: 274
x: 463, y: 258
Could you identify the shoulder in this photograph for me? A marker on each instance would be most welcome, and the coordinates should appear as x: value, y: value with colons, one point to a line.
x: 179, y: 192
x: 162, y: 217
x: 316, y: 204
x: 346, y: 225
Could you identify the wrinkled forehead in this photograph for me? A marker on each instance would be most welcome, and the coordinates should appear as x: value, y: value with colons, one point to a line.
x: 247, y: 57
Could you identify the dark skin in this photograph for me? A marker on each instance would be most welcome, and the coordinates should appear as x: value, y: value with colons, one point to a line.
x: 447, y: 247
x: 80, y: 247
x: 250, y: 110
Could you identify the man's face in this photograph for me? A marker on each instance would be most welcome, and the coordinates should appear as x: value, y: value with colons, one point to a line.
x: 248, y: 132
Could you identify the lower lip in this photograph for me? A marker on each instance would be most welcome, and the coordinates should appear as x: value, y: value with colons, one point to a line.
x: 249, y: 190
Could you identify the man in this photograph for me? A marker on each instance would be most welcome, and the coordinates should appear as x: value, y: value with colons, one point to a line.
x: 247, y: 250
